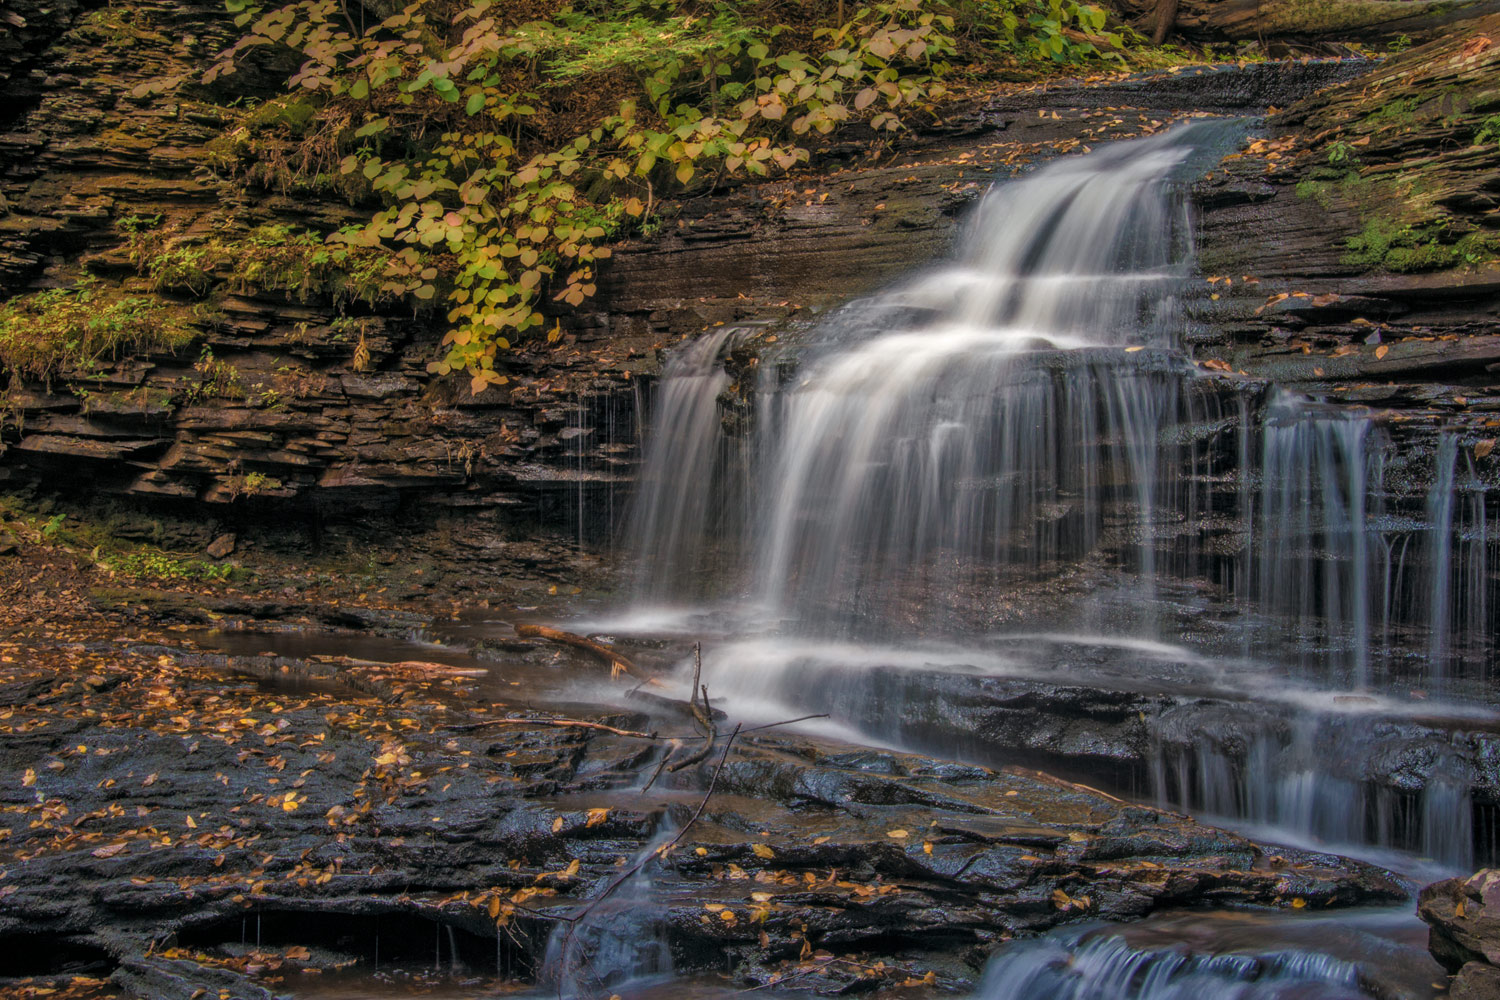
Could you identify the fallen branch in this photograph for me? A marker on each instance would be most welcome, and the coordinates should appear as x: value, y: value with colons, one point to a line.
x: 618, y: 662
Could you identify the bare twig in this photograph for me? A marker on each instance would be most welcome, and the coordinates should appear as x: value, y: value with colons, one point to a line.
x: 576, y: 919
x: 697, y: 676
x: 787, y: 722
x: 676, y: 743
x: 706, y: 718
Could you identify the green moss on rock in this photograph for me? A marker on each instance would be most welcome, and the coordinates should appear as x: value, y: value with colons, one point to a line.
x: 67, y: 329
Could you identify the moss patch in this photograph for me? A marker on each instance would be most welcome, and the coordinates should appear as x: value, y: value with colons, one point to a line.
x: 1388, y: 245
x: 69, y: 329
x: 270, y: 258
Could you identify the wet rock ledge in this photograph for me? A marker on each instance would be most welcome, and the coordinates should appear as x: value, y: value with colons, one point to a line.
x: 176, y: 821
x: 1464, y: 917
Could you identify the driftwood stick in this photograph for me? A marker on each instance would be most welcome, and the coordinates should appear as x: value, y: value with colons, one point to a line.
x: 618, y: 662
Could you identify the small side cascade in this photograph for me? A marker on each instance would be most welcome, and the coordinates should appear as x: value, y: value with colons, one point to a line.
x: 1315, y: 555
x: 1319, y: 780
x: 1106, y: 967
x: 1354, y: 580
x: 620, y: 946
x: 678, y: 505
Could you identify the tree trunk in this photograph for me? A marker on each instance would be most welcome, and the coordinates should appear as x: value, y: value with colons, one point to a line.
x: 1166, y: 17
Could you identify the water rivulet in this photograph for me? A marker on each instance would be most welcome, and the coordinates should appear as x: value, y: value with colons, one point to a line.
x: 1007, y: 464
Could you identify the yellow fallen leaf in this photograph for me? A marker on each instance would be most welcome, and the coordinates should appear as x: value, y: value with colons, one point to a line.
x: 494, y: 907
x: 1382, y: 351
x: 762, y: 851
x: 702, y: 852
x: 29, y: 778
x: 557, y: 824
x: 1298, y: 903
x: 926, y: 847
x: 192, y: 823
x: 897, y: 834
x: 596, y: 816
x: 1483, y: 448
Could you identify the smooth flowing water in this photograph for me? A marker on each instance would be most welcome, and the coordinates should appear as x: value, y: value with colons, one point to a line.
x: 1008, y: 467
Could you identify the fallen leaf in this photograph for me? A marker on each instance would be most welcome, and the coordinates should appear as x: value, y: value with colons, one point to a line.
x: 596, y: 816
x: 557, y: 824
x: 897, y: 834
x: 110, y: 851
x: 762, y: 851
x: 1381, y: 351
x: 1483, y: 448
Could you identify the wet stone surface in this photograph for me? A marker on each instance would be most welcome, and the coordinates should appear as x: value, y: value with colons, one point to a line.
x: 166, y: 811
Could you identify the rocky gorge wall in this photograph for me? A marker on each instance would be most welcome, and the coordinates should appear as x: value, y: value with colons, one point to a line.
x: 299, y: 405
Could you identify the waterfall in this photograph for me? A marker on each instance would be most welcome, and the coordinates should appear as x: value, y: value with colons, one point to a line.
x: 1109, y: 968
x: 1013, y: 446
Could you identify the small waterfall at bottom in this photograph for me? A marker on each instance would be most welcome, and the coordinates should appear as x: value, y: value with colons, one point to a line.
x: 619, y: 947
x: 1105, y: 967
x: 1206, y: 955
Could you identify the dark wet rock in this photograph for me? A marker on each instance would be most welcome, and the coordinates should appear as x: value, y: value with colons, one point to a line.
x: 1352, y: 249
x: 1475, y: 981
x: 1463, y: 915
x: 183, y: 836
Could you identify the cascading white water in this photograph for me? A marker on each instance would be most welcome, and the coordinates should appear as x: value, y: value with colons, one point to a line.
x: 1020, y: 420
x: 1108, y: 968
